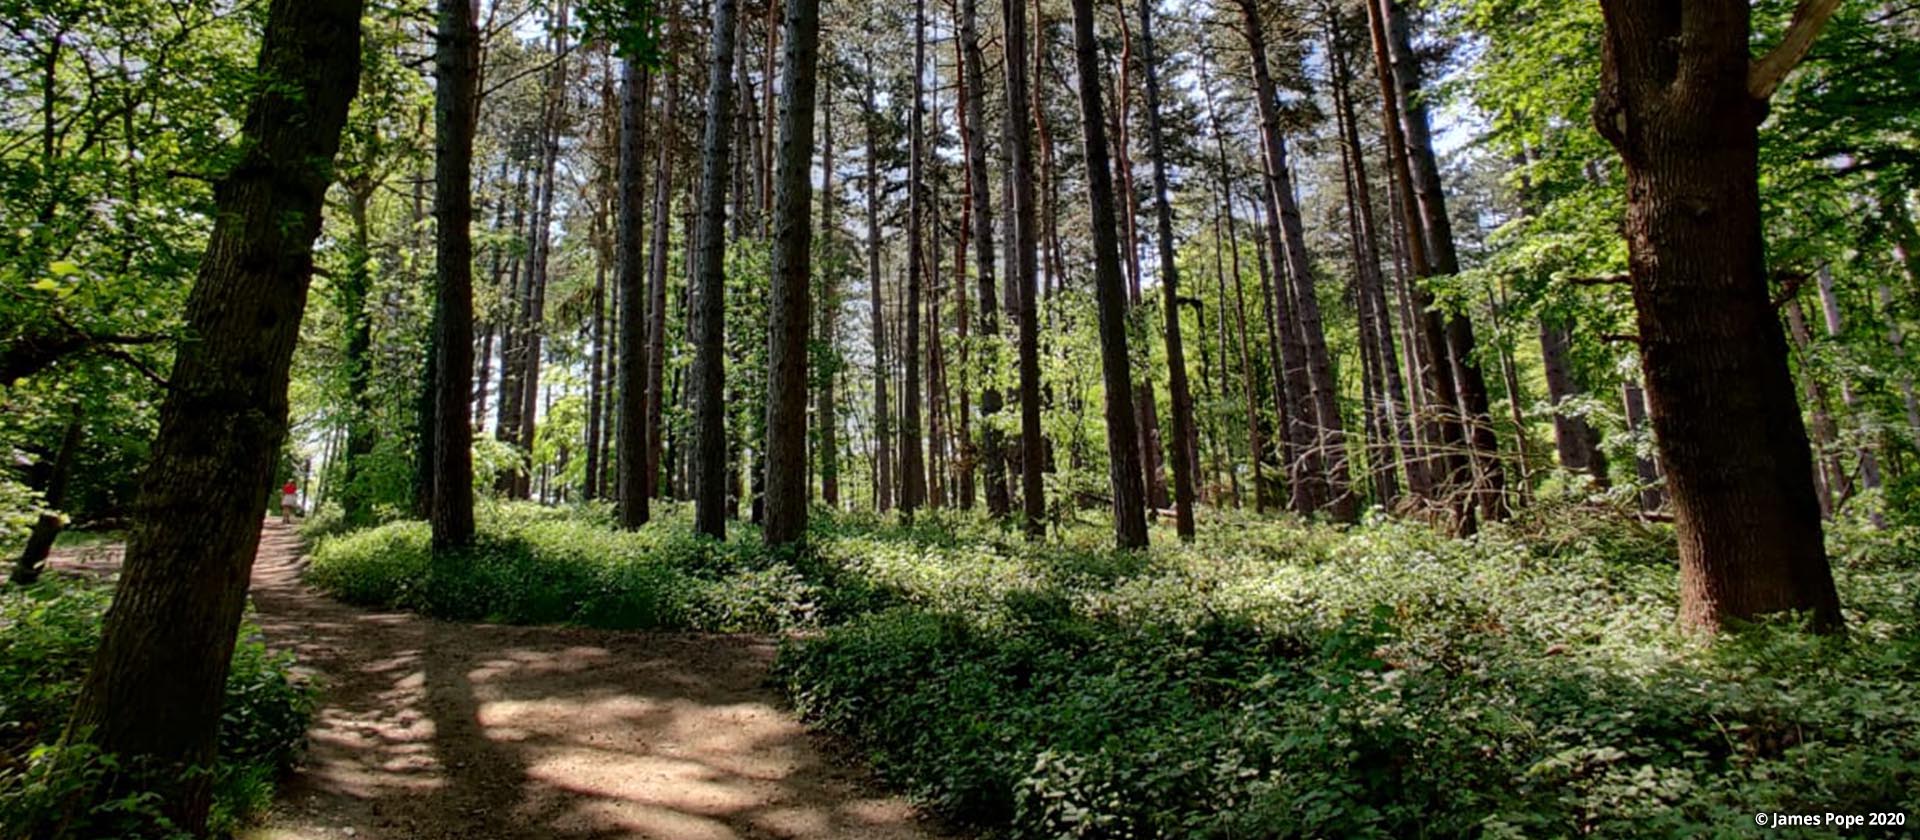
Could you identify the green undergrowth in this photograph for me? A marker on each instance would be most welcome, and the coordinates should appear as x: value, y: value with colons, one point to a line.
x: 1275, y: 679
x: 532, y: 565
x: 48, y: 633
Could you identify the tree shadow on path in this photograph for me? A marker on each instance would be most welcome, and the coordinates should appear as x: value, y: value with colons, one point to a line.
x: 429, y: 729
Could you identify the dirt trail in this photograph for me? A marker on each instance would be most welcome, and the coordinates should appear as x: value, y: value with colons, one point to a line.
x: 429, y: 729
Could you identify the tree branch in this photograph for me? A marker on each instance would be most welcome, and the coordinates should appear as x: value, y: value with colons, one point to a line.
x: 1809, y: 17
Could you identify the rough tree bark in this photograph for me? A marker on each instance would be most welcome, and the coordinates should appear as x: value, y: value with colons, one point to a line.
x: 790, y: 308
x: 153, y: 693
x: 456, y: 71
x: 913, y: 472
x: 1025, y: 235
x: 1181, y: 395
x: 709, y: 439
x: 1129, y: 492
x: 1681, y: 101
x: 633, y: 370
x: 882, y: 413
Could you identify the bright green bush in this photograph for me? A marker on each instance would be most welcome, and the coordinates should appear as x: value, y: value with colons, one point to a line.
x: 47, y: 636
x: 1277, y: 680
x: 534, y: 565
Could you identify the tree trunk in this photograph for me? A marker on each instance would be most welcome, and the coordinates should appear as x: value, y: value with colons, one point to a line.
x: 827, y: 411
x: 352, y: 298
x: 153, y: 694
x: 657, y: 281
x: 1575, y: 439
x: 1869, y: 462
x: 1426, y: 194
x: 46, y: 527
x: 456, y: 69
x: 708, y: 315
x: 790, y: 310
x: 913, y: 474
x: 1181, y: 395
x: 1129, y: 494
x: 634, y: 368
x: 980, y: 204
x: 882, y: 413
x: 1675, y: 103
x: 1019, y: 141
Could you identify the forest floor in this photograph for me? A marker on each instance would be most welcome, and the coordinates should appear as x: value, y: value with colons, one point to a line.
x: 429, y: 729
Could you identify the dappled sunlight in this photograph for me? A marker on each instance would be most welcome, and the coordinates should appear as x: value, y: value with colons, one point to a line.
x: 430, y: 730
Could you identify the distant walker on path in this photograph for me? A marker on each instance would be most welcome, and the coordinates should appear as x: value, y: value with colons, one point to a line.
x: 289, y: 495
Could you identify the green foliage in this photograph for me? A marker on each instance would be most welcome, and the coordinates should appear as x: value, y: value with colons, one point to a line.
x: 531, y: 565
x: 47, y: 636
x: 1276, y: 680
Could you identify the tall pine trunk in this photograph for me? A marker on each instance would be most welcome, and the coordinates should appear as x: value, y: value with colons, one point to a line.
x: 882, y: 412
x: 1025, y: 235
x: 1129, y: 494
x: 633, y: 369
x: 1179, y: 391
x: 790, y: 310
x: 708, y: 311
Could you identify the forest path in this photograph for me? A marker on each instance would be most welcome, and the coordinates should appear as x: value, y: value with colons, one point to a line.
x: 431, y: 729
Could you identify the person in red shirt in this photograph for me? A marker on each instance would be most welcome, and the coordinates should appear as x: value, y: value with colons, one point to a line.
x: 288, y: 495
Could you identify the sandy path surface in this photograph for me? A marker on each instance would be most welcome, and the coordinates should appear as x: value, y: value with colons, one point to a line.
x: 428, y: 729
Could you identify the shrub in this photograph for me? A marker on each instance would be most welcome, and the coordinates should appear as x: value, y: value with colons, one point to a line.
x: 1281, y: 680
x: 533, y: 565
x: 47, y: 636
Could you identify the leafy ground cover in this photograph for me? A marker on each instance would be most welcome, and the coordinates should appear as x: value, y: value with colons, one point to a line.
x: 48, y: 633
x: 1273, y: 679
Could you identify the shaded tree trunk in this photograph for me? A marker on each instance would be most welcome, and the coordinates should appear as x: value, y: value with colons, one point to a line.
x: 1025, y: 235
x: 657, y: 280
x: 152, y: 696
x: 827, y: 410
x: 882, y: 413
x: 790, y: 310
x: 634, y: 369
x: 913, y: 474
x: 708, y: 309
x: 1129, y: 494
x: 46, y: 527
x: 1729, y: 431
x: 1575, y: 439
x: 980, y: 203
x: 1178, y: 389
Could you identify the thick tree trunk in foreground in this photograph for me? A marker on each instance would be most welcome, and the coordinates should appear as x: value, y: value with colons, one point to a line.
x: 633, y: 369
x: 153, y: 694
x: 1679, y: 104
x: 708, y: 315
x: 456, y: 71
x: 790, y: 309
x: 1129, y: 492
x: 1182, y: 396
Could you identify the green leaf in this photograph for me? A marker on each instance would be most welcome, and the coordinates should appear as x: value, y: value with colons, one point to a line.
x: 64, y: 268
